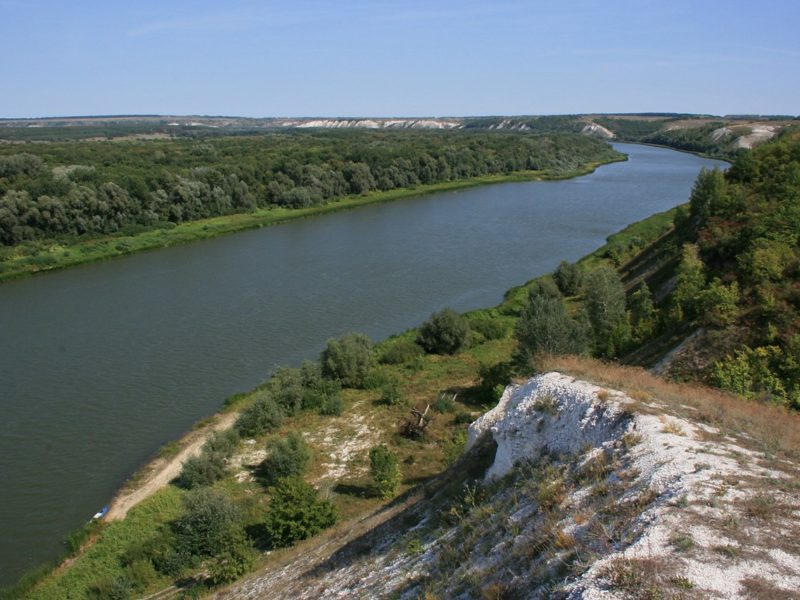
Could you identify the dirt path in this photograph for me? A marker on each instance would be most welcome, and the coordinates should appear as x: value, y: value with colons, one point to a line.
x: 161, y: 471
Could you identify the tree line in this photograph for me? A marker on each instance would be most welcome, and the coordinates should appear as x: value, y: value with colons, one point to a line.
x: 90, y: 188
x: 732, y: 271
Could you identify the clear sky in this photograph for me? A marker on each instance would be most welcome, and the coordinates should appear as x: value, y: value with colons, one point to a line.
x: 398, y: 58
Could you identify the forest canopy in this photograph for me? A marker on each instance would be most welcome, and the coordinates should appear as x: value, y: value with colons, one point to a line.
x: 93, y: 188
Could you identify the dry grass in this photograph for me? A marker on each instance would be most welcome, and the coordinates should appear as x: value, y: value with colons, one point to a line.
x: 774, y: 430
x: 672, y: 427
x: 758, y: 589
x: 645, y: 579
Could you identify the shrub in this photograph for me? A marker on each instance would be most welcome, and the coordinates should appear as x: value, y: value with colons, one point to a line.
x: 222, y: 442
x: 234, y: 558
x: 401, y: 351
x: 323, y: 396
x: 494, y: 379
x: 545, y: 327
x: 295, y: 513
x: 203, y: 529
x: 568, y: 278
x: 390, y: 395
x: 286, y: 457
x: 445, y: 403
x: 377, y: 379
x: 717, y: 304
x: 263, y: 416
x: 331, y: 406
x: 384, y: 470
x: 202, y: 470
x: 286, y: 388
x: 348, y: 359
x: 490, y: 328
x: 209, y: 466
x: 444, y: 333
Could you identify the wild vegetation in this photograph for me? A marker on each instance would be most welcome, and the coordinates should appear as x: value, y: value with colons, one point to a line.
x: 61, y: 195
x: 725, y: 266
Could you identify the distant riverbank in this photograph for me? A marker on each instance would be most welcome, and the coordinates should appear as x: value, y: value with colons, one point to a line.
x: 60, y: 255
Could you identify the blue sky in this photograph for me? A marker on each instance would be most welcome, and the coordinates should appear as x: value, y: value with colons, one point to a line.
x: 401, y: 58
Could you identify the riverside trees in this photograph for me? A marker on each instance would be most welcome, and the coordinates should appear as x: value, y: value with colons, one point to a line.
x: 89, y: 188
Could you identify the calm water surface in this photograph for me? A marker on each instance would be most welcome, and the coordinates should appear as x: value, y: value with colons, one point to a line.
x: 102, y: 364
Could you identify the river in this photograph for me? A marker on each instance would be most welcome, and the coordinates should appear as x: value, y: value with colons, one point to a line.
x: 102, y: 364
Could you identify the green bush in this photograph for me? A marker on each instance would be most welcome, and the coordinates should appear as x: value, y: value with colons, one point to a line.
x: 390, y: 395
x: 206, y: 525
x: 202, y: 470
x: 568, y: 277
x: 324, y: 396
x: 263, y: 416
x: 545, y: 327
x: 234, y: 558
x: 384, y: 470
x: 210, y: 465
x: 489, y: 328
x: 115, y: 588
x: 401, y: 351
x: 347, y: 359
x: 718, y: 304
x: 643, y: 314
x: 296, y: 513
x: 444, y: 333
x: 222, y: 442
x: 494, y: 379
x: 286, y: 457
x: 331, y: 406
x: 286, y: 388
x: 377, y: 379
x: 444, y: 403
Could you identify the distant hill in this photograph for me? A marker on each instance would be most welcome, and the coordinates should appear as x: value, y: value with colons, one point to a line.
x: 709, y: 134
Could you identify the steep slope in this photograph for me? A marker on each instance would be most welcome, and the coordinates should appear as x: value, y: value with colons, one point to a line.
x: 589, y: 493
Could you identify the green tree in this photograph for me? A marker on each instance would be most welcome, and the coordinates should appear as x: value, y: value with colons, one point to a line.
x: 296, y: 513
x: 384, y: 470
x: 207, y: 522
x: 445, y: 332
x: 544, y: 327
x: 202, y: 470
x: 690, y: 281
x: 568, y: 278
x: 262, y: 416
x: 235, y: 556
x: 348, y: 359
x: 718, y: 304
x: 605, y: 305
x: 286, y: 457
x: 643, y: 315
x: 706, y: 194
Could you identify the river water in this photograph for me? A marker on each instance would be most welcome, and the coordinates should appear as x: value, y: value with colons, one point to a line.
x: 102, y: 364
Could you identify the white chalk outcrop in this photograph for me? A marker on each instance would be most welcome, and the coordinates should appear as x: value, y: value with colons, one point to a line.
x: 595, y: 130
x: 551, y: 413
x: 699, y: 483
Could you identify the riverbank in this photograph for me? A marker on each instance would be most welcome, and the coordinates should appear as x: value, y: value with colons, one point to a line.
x: 150, y: 503
x: 50, y: 256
